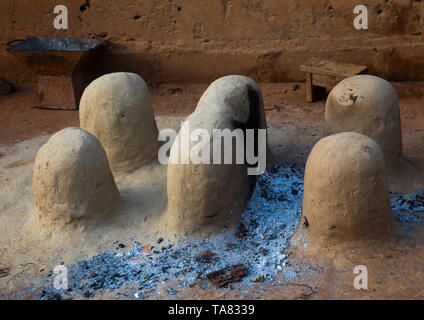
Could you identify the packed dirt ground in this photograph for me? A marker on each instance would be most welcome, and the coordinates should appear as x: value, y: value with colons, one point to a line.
x: 397, y: 268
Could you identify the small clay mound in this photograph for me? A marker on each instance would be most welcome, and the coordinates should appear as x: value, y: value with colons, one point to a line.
x: 367, y: 105
x: 346, y: 195
x: 72, y: 178
x: 205, y: 198
x: 117, y: 109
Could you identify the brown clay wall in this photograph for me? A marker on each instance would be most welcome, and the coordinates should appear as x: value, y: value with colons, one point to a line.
x: 200, y: 40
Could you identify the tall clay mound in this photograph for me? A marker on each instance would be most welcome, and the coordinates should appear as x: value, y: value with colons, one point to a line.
x: 368, y: 105
x: 205, y: 198
x: 346, y: 195
x: 117, y: 109
x: 72, y: 178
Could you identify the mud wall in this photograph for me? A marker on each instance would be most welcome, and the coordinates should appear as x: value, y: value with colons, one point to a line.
x: 200, y: 40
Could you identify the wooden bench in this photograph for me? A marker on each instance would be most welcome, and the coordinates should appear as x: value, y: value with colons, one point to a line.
x: 325, y: 74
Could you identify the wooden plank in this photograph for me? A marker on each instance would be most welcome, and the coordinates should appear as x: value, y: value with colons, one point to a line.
x: 313, y: 92
x: 332, y: 68
x: 227, y: 275
x: 325, y: 80
x: 309, y: 89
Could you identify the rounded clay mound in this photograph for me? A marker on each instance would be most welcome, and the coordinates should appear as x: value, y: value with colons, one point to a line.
x: 205, y: 198
x: 117, y: 109
x: 367, y: 105
x: 72, y: 178
x: 346, y: 195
